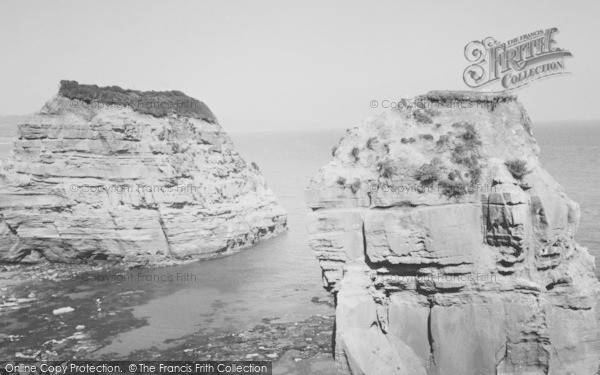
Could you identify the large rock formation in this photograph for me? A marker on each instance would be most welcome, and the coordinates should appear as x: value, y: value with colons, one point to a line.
x: 450, y: 249
x: 122, y: 175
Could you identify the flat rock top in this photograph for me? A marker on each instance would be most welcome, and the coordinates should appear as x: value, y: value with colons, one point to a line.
x: 472, y: 96
x: 155, y: 103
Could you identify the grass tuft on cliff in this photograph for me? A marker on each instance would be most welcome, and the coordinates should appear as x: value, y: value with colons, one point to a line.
x: 443, y: 140
x: 355, y: 153
x: 431, y: 112
x: 155, y: 103
x: 422, y: 117
x: 334, y: 150
x: 454, y: 187
x: 428, y: 174
x: 517, y: 168
x: 370, y: 143
x: 386, y: 169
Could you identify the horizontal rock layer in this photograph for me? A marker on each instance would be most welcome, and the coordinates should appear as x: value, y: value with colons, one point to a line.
x: 449, y: 248
x: 100, y: 181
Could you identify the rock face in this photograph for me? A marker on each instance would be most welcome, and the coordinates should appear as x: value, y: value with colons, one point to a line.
x: 450, y: 249
x: 121, y: 175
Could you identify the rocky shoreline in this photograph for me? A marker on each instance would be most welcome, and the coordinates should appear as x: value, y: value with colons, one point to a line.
x: 75, y: 331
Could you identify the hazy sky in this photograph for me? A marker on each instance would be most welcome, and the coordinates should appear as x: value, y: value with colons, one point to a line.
x: 286, y: 64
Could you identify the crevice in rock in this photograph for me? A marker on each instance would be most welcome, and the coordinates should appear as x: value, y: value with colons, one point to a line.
x: 369, y: 263
x: 10, y: 228
x: 164, y: 231
x: 430, y: 335
x: 334, y: 330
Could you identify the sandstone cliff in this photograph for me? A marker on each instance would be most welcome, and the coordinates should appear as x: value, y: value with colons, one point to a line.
x: 122, y: 175
x: 450, y: 249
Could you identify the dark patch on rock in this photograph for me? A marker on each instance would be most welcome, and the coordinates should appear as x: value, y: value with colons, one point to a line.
x: 155, y: 103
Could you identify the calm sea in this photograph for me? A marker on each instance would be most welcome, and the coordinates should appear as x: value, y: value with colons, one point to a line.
x: 571, y: 154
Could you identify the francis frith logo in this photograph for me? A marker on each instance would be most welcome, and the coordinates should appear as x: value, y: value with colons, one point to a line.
x: 515, y: 63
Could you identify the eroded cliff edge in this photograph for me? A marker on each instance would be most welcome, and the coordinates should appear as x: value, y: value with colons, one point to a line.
x: 449, y: 248
x: 123, y: 175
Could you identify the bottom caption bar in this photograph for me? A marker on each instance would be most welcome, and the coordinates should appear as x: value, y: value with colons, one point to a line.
x: 137, y: 367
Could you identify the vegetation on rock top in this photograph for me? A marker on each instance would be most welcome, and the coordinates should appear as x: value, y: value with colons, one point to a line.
x: 517, y: 168
x: 155, y: 103
x: 459, y: 177
x: 422, y: 117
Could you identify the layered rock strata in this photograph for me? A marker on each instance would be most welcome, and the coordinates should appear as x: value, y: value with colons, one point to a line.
x: 122, y: 175
x: 449, y: 248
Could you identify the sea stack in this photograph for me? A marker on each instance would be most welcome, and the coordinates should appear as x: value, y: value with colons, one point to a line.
x: 449, y: 248
x: 103, y: 173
